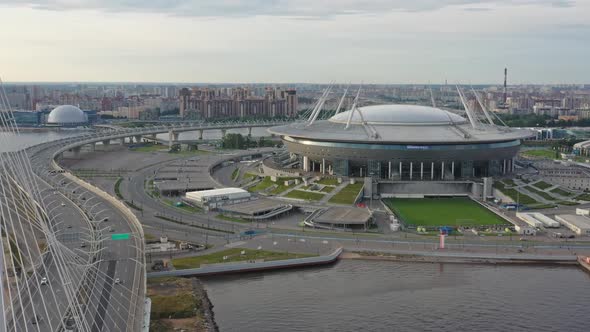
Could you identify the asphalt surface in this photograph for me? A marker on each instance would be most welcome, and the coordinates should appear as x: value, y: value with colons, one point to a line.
x: 109, y: 306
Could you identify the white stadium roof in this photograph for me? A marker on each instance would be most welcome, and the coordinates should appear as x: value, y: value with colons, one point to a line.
x: 400, y: 114
x: 404, y: 124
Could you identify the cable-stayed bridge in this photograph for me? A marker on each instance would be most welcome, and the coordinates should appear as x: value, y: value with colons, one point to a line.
x: 61, y: 266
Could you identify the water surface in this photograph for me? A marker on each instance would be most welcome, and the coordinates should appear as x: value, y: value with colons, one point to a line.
x: 391, y: 296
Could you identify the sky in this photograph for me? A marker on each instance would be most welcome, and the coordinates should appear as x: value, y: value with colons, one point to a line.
x: 291, y: 41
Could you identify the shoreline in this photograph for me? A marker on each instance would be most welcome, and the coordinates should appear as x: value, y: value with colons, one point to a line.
x: 206, y: 307
x: 426, y: 258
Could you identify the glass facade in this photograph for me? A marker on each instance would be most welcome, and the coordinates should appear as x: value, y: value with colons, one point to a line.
x: 340, y: 167
x: 27, y: 118
x: 415, y: 170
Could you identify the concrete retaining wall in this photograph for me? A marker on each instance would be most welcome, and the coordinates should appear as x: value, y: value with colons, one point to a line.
x: 241, y: 267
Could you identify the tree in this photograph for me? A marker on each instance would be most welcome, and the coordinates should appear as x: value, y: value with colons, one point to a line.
x: 233, y: 141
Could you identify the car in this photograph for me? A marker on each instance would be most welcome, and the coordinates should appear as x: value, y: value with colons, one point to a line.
x: 111, y: 229
x: 36, y: 320
x: 63, y: 204
x: 117, y: 281
x: 44, y: 281
x: 83, y: 245
x: 69, y: 226
x: 105, y: 219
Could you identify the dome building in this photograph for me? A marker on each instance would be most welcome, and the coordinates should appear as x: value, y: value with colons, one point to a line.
x: 67, y: 116
x: 403, y: 142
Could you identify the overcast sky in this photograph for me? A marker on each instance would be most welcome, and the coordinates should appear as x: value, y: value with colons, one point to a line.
x: 374, y: 41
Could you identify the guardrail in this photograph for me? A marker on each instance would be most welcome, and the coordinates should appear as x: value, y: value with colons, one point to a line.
x: 136, y: 228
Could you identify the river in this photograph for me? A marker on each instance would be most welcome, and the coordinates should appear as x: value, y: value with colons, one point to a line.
x: 11, y: 142
x: 357, y: 295
x: 26, y: 138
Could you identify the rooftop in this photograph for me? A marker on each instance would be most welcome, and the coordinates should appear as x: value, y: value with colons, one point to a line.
x: 216, y: 192
x: 254, y: 206
x: 405, y: 124
x: 399, y: 114
x: 343, y: 215
x: 574, y: 219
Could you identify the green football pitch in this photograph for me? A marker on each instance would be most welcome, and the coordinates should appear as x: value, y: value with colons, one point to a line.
x: 455, y: 211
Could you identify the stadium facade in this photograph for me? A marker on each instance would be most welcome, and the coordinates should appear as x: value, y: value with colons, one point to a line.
x: 403, y: 142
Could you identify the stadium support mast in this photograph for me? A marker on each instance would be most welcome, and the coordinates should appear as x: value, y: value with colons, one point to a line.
x: 432, y: 97
x: 470, y: 114
x: 505, y: 87
x: 318, y: 108
x: 342, y: 100
x: 354, y: 109
x: 484, y: 109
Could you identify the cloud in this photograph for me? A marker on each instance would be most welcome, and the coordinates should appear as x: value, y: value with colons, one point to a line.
x: 287, y: 8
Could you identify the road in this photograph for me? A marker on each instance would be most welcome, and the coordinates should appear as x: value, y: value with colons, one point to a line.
x: 106, y: 305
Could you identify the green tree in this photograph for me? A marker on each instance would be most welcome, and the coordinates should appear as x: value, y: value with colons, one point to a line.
x: 233, y: 141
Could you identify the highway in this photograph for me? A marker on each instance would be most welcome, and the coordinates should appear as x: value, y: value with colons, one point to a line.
x: 106, y: 305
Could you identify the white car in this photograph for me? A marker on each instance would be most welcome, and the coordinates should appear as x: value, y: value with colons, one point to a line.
x: 44, y: 281
x: 117, y: 281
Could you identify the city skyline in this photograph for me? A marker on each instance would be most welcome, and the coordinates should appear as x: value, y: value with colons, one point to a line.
x: 377, y: 42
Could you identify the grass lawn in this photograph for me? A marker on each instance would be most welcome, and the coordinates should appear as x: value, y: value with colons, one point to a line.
x: 233, y: 255
x: 347, y: 194
x: 515, y: 195
x: 540, y: 153
x: 249, y: 176
x: 307, y: 195
x: 509, y: 182
x: 328, y: 181
x: 118, y: 188
x: 149, y: 148
x: 542, y: 185
x: 567, y: 203
x: 540, y: 193
x: 172, y: 298
x: 561, y: 192
x: 455, y: 211
x: 328, y: 189
x: 267, y: 182
x: 280, y: 188
x: 584, y: 197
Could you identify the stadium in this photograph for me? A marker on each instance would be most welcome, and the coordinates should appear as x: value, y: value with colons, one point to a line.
x: 402, y: 142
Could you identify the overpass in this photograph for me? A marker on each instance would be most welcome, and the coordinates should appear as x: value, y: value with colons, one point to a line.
x: 111, y: 133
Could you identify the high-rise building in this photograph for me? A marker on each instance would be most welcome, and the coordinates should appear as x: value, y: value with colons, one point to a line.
x: 238, y: 102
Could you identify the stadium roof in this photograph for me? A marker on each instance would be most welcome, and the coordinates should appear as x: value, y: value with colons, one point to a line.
x: 400, y: 114
x: 405, y: 124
